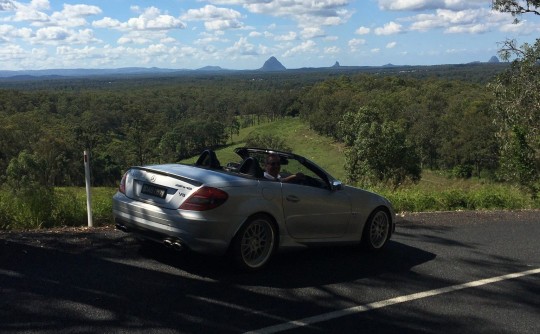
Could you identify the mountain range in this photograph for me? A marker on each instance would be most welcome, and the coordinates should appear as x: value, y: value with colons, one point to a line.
x: 270, y: 65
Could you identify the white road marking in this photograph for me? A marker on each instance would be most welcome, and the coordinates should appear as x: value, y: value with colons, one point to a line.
x: 384, y: 303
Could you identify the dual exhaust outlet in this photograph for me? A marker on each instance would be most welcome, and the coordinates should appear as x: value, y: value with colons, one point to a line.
x: 169, y: 242
x: 173, y: 243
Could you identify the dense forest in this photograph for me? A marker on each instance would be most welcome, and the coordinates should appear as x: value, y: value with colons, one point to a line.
x: 443, y: 116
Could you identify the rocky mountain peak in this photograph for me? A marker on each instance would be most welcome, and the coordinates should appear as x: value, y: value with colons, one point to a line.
x: 272, y: 64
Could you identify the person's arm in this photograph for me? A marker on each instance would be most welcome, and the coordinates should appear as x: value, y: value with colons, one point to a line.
x: 297, y: 176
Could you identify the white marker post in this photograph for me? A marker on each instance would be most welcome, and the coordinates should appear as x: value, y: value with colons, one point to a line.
x: 88, y: 193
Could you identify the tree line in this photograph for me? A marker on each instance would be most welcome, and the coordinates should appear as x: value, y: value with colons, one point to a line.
x: 446, y: 124
x: 409, y: 123
x: 44, y: 131
x: 393, y: 125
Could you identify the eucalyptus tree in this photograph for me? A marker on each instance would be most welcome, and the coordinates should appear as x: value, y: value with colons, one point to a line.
x: 517, y: 103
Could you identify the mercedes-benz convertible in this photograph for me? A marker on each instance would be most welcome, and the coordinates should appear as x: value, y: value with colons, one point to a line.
x: 237, y: 210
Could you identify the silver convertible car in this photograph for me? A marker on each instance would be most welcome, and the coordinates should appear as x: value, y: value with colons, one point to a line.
x: 236, y: 210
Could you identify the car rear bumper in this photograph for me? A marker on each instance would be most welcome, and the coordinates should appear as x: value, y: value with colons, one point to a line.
x: 194, y: 230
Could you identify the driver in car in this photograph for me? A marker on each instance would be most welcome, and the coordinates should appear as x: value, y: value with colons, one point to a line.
x: 273, y: 167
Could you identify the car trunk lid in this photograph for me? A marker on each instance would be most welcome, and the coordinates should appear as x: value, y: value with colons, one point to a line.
x: 165, y: 186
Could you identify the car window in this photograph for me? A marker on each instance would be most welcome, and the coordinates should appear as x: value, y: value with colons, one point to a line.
x: 312, y: 179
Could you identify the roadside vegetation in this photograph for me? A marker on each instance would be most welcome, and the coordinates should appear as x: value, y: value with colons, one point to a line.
x: 43, y: 207
x: 428, y: 138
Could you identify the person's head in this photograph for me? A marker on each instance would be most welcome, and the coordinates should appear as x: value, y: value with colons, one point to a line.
x: 273, y: 164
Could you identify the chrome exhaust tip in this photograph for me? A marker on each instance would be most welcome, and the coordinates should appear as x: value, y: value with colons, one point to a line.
x: 168, y: 243
x: 121, y: 227
x: 177, y: 246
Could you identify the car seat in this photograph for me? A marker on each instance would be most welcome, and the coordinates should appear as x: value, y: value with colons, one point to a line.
x: 251, y: 167
x: 208, y: 159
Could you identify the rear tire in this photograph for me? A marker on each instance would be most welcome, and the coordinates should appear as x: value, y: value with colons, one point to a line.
x: 377, y: 230
x: 254, y: 244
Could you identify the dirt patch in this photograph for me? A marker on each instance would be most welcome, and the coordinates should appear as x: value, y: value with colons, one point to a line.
x: 468, y: 217
x: 66, y: 238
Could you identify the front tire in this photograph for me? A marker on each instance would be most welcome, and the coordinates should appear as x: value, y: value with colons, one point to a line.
x: 254, y: 243
x: 377, y: 230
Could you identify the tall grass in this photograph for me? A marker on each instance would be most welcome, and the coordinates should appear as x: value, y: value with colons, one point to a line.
x: 44, y: 208
x: 440, y: 193
x: 67, y: 206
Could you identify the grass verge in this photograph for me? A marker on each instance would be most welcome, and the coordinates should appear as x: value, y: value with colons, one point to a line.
x: 44, y: 208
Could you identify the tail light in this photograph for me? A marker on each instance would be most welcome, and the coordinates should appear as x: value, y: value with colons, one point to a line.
x: 205, y: 198
x: 122, y: 187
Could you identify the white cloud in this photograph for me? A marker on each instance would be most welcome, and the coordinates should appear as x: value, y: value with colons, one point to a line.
x: 310, y: 16
x: 7, y: 5
x: 142, y: 37
x: 207, y: 39
x: 355, y: 43
x: 152, y: 19
x: 362, y: 31
x: 312, y: 32
x: 332, y: 50
x: 133, y: 40
x: 471, y: 29
x: 390, y: 28
x: 290, y: 36
x: 70, y: 53
x: 60, y: 35
x: 391, y: 45
x: 418, y: 5
x: 215, y: 18
x: 470, y: 21
x: 29, y: 12
x: 243, y: 48
x: 72, y: 15
x: 9, y: 32
x: 107, y: 22
x: 40, y: 4
x: 12, y: 52
x: 305, y: 47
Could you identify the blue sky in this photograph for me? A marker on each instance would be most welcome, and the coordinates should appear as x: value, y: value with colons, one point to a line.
x: 242, y: 34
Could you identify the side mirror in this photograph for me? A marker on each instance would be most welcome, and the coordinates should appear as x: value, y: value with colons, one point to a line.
x: 337, y: 185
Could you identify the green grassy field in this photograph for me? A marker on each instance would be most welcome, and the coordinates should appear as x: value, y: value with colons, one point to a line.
x: 435, y: 192
x: 304, y: 141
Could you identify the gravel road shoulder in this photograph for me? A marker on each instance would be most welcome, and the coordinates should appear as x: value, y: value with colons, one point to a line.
x: 78, y: 239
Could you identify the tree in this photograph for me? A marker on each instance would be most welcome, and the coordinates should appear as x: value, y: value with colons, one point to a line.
x: 517, y: 104
x: 378, y: 150
x: 516, y: 7
x: 271, y: 141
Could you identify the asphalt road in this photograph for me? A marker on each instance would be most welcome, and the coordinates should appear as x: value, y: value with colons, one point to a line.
x: 464, y: 272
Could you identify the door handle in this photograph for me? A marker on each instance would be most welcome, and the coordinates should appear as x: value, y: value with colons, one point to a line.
x: 292, y: 198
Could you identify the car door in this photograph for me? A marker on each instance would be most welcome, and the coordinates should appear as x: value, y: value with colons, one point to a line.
x: 313, y: 212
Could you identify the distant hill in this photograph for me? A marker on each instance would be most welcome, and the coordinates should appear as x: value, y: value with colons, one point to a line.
x: 272, y: 64
x: 210, y: 68
x: 477, y: 71
x: 83, y: 72
x: 493, y: 59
